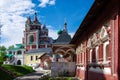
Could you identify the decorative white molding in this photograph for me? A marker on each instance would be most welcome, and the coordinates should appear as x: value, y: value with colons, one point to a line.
x: 105, y: 70
x: 90, y: 55
x: 103, y: 33
x: 97, y: 53
x: 104, y: 51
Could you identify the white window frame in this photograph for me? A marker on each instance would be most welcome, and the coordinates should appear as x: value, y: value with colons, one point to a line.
x: 82, y: 57
x: 90, y: 55
x: 97, y: 53
x: 104, y: 51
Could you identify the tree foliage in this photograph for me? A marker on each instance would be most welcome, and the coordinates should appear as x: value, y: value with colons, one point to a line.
x: 10, y: 47
x: 2, y: 52
x: 2, y: 48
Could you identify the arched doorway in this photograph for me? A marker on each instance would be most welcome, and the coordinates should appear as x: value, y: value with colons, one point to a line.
x: 19, y: 62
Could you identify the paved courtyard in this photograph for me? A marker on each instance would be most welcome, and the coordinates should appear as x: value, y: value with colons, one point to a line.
x: 31, y: 76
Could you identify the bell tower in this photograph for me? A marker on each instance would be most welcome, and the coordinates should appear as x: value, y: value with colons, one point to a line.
x: 35, y: 34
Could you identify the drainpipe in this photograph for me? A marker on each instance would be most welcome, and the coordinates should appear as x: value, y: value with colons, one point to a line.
x: 113, y: 46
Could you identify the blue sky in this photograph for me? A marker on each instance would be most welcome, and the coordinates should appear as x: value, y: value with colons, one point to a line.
x: 53, y: 13
x: 71, y: 10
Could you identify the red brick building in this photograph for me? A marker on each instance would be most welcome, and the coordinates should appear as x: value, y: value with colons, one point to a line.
x: 62, y: 50
x: 98, y: 41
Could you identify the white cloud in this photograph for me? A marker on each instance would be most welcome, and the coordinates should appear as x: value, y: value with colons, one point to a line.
x: 44, y: 3
x: 11, y: 12
x: 53, y: 33
x: 52, y: 2
x: 72, y: 34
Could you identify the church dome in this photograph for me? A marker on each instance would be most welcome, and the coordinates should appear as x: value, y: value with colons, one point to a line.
x: 59, y: 32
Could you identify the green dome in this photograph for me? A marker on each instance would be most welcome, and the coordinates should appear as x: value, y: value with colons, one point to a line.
x: 59, y: 32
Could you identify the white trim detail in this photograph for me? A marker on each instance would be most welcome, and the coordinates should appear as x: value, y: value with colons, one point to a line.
x: 105, y: 70
x: 104, y: 51
x: 81, y: 68
x: 90, y: 55
x: 83, y: 57
x: 97, y: 53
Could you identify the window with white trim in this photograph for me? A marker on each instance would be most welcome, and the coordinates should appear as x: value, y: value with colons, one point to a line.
x: 90, y: 55
x: 105, y: 51
x: 97, y: 54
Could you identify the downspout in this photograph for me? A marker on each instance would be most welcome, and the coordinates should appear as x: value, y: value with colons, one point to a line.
x: 113, y: 46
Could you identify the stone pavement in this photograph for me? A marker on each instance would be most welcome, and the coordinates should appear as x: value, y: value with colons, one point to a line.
x: 32, y: 76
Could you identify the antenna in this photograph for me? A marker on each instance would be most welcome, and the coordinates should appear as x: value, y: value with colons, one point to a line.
x: 65, y: 25
x: 65, y: 20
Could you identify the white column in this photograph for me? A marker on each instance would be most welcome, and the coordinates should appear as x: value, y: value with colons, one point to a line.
x: 45, y: 45
x: 104, y: 51
x: 30, y: 46
x: 37, y: 39
x: 97, y: 53
x: 90, y: 56
x: 54, y: 57
x: 83, y: 57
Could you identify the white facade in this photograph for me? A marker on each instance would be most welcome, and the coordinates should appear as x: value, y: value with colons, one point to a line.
x: 18, y: 56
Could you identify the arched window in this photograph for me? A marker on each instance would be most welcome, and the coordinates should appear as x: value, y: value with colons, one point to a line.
x: 10, y: 52
x: 14, y: 53
x: 31, y: 39
x: 19, y: 53
x: 19, y: 62
x: 107, y: 52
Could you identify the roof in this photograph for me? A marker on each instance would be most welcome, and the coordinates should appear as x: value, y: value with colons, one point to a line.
x: 9, y: 55
x: 20, y: 45
x: 42, y: 50
x: 63, y: 38
x: 17, y: 47
x: 97, y: 15
x: 42, y: 55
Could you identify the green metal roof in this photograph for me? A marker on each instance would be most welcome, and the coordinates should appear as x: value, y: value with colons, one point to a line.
x: 9, y: 55
x: 18, y: 46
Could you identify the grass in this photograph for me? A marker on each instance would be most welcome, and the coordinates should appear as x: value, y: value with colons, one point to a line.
x: 17, y: 70
x: 5, y: 76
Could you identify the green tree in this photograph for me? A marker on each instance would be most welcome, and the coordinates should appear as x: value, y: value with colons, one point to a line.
x: 2, y: 48
x: 10, y: 47
x: 2, y: 52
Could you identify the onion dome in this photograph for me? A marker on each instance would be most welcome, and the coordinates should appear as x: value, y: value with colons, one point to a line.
x: 59, y: 32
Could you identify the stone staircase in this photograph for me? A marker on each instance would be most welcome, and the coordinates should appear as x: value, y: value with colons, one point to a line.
x: 11, y: 61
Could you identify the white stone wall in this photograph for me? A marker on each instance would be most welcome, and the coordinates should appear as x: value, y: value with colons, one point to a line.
x: 63, y: 69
